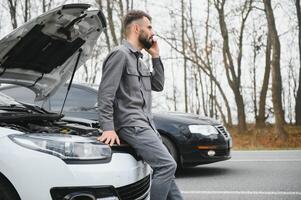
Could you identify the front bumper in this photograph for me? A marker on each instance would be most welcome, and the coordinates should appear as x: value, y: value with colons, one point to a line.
x: 204, y: 150
x: 35, y: 174
x: 138, y: 190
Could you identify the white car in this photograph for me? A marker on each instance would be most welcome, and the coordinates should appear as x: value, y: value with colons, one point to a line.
x: 41, y: 156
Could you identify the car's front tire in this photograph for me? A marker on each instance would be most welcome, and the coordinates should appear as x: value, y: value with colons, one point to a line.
x: 170, y: 147
x: 7, y: 192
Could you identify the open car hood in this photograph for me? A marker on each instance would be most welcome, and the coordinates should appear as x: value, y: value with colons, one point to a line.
x: 42, y: 53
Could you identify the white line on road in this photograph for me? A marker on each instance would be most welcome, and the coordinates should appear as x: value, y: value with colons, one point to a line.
x: 243, y: 192
x: 266, y: 151
x: 264, y: 160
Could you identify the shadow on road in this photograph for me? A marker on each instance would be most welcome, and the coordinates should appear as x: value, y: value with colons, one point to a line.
x: 204, y: 171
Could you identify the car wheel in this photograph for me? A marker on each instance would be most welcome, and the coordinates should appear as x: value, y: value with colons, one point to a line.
x: 170, y: 147
x: 6, y: 191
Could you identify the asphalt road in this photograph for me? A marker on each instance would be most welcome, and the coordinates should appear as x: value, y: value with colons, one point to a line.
x: 248, y: 175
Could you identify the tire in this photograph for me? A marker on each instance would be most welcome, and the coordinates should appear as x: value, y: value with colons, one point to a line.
x: 7, y: 192
x: 171, y: 148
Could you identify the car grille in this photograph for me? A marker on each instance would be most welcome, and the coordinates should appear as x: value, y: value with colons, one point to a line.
x: 136, y: 190
x: 222, y: 130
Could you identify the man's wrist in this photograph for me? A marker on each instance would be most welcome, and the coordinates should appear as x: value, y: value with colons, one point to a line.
x: 107, y: 126
x: 155, y: 56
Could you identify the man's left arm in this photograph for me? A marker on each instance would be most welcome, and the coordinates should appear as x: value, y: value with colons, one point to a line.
x: 157, y: 77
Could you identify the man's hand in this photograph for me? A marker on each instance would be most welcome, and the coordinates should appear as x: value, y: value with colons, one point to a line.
x: 154, y: 50
x: 109, y: 137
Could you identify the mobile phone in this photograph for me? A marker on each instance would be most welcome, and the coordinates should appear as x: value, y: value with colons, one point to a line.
x: 153, y: 40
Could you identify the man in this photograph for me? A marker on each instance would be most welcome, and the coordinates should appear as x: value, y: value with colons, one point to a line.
x: 124, y: 101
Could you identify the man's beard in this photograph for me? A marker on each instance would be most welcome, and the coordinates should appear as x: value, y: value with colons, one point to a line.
x: 146, y: 42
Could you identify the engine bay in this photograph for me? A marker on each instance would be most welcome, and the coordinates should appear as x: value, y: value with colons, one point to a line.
x: 58, y: 127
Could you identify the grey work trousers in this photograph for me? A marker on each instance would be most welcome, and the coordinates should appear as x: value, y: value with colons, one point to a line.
x: 149, y: 146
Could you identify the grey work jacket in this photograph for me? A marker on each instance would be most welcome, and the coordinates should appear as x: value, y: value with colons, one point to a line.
x: 124, y: 95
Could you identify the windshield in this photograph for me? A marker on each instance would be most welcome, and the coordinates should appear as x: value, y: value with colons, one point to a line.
x: 8, y: 101
x: 12, y: 111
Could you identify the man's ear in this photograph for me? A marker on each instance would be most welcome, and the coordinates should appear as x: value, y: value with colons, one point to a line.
x: 136, y: 28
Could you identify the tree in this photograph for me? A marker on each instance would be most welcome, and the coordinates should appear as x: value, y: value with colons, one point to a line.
x: 276, y: 73
x: 261, y: 117
x: 12, y: 4
x: 234, y: 74
x: 46, y: 5
x: 26, y: 10
x: 183, y: 31
x: 199, y: 55
x: 298, y: 97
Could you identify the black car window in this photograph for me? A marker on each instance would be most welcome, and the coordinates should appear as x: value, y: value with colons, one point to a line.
x: 78, y: 100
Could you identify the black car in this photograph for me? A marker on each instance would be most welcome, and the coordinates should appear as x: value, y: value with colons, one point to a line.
x: 191, y: 139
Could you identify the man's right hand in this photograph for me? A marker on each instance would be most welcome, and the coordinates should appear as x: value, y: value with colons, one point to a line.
x: 109, y: 137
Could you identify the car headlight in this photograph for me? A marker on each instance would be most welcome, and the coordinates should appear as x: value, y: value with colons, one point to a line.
x: 66, y: 147
x: 203, y: 129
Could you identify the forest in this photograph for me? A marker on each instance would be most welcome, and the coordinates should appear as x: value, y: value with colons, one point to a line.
x: 236, y: 61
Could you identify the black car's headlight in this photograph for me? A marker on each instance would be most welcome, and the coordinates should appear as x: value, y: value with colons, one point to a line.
x: 66, y: 147
x: 203, y: 129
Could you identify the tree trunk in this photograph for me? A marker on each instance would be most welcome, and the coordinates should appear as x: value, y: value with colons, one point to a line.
x: 198, y: 108
x: 13, y: 12
x: 240, y: 110
x: 202, y: 91
x: 99, y: 2
x: 276, y: 73
x: 111, y: 22
x: 234, y: 77
x: 121, y: 20
x: 26, y: 10
x: 184, y: 54
x: 260, y: 119
x: 220, y: 110
x: 298, y: 97
x: 46, y: 7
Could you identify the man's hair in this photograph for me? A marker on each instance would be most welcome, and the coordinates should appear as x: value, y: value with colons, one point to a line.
x: 133, y: 15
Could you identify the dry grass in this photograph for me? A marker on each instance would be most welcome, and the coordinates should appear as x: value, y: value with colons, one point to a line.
x: 265, y: 138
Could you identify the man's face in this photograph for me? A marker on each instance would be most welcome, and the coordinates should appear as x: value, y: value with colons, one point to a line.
x: 146, y: 34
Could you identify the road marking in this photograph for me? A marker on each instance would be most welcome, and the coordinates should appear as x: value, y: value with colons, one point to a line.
x: 267, y: 151
x: 244, y: 192
x: 264, y: 160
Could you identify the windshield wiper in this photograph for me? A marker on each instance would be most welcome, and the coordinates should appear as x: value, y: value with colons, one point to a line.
x: 14, y: 107
x: 23, y: 108
x: 29, y: 117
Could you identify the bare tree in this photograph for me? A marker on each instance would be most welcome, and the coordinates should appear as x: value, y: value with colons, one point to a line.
x: 121, y: 8
x: 298, y: 98
x: 276, y: 73
x: 260, y: 119
x: 200, y: 57
x: 26, y: 10
x: 12, y: 4
x: 99, y: 2
x: 46, y: 5
x: 111, y: 22
x: 234, y: 75
x: 253, y: 69
x: 183, y: 31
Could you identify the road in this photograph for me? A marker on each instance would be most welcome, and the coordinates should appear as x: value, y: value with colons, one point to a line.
x: 249, y: 175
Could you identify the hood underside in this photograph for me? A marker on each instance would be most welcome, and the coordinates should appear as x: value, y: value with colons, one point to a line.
x: 41, y: 54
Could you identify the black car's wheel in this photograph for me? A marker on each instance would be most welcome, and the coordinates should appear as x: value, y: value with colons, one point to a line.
x: 7, y: 192
x: 170, y: 147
